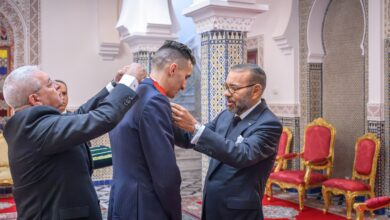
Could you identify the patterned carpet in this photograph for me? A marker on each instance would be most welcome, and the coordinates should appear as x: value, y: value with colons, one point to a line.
x: 283, y: 206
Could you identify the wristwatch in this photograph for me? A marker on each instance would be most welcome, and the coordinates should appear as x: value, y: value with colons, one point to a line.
x: 113, y: 83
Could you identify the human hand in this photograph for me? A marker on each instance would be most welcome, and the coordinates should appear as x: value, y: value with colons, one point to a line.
x: 134, y: 69
x: 182, y: 118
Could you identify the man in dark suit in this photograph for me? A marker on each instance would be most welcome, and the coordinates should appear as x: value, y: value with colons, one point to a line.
x: 146, y: 178
x: 242, y: 143
x: 49, y: 160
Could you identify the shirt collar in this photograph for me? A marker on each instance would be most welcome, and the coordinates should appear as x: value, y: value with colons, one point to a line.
x: 158, y: 87
x: 246, y: 113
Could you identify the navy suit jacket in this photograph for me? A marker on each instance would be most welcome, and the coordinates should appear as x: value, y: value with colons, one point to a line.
x: 49, y: 160
x: 238, y: 171
x: 146, y: 178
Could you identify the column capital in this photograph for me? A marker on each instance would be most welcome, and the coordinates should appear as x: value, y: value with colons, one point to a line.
x: 224, y: 15
x: 143, y: 42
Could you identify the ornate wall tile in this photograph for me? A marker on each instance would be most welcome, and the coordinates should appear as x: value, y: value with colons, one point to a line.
x: 387, y: 114
x: 144, y: 58
x: 378, y: 128
x: 293, y: 124
x: 285, y: 110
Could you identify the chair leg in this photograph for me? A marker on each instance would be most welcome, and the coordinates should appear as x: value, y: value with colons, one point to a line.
x: 349, y: 200
x: 326, y: 196
x: 372, y: 195
x: 268, y: 189
x: 301, y: 196
x: 359, y: 215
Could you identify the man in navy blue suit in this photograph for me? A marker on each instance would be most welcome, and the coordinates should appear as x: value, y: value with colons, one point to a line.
x: 146, y: 178
x: 242, y: 143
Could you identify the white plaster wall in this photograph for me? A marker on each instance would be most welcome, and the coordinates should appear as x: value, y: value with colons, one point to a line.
x: 375, y: 52
x: 281, y: 69
x: 70, y: 47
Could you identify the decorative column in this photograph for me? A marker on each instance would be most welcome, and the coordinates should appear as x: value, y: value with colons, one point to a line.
x: 386, y: 64
x: 146, y: 28
x: 144, y: 58
x: 223, y: 26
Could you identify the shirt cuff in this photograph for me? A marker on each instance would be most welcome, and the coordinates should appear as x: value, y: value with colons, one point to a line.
x: 127, y: 80
x: 109, y: 87
x: 197, y: 135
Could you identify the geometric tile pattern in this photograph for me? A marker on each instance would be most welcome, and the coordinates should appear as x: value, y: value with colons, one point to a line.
x: 315, y: 91
x: 293, y: 124
x: 387, y: 108
x: 378, y: 128
x: 386, y: 19
x: 220, y: 49
x: 144, y: 58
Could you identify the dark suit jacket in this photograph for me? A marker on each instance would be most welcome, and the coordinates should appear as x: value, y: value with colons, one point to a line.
x: 238, y: 172
x: 49, y: 161
x: 146, y: 179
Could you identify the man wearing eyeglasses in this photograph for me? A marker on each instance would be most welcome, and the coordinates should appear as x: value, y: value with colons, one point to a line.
x: 49, y: 158
x: 242, y: 143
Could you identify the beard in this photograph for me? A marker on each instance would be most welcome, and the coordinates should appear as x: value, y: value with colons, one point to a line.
x: 240, y: 106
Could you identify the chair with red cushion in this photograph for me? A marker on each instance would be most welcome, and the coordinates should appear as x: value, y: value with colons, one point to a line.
x: 371, y: 205
x: 363, y: 174
x: 283, y: 149
x: 317, y: 155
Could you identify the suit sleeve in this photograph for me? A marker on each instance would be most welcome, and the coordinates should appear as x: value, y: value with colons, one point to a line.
x: 92, y: 103
x: 157, y: 142
x: 183, y: 138
x: 56, y: 133
x: 260, y: 144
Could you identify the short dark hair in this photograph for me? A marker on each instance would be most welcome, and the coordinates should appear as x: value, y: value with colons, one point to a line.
x: 257, y: 73
x: 60, y: 81
x: 171, y: 51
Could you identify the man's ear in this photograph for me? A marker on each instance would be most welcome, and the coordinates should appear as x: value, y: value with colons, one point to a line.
x: 172, y: 69
x: 34, y: 99
x: 258, y: 90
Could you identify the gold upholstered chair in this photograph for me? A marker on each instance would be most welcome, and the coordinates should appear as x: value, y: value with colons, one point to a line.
x: 317, y: 155
x: 5, y: 174
x: 363, y: 174
x: 283, y: 150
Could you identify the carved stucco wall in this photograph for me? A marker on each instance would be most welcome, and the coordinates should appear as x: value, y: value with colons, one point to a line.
x: 24, y: 18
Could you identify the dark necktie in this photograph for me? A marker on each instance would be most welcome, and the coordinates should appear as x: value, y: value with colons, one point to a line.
x: 233, y: 124
x: 235, y: 121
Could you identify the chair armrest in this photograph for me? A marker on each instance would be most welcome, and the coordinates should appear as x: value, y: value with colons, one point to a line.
x: 290, y: 156
x: 318, y: 162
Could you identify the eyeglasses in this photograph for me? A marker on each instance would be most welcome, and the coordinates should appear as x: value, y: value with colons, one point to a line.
x: 233, y: 89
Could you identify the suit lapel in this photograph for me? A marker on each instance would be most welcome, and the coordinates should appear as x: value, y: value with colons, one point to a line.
x: 238, y: 130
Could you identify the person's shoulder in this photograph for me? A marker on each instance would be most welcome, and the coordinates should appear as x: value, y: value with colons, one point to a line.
x: 37, y: 111
x: 30, y: 115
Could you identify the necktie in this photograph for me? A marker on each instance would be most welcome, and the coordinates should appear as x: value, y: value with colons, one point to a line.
x: 235, y: 121
x: 233, y: 124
